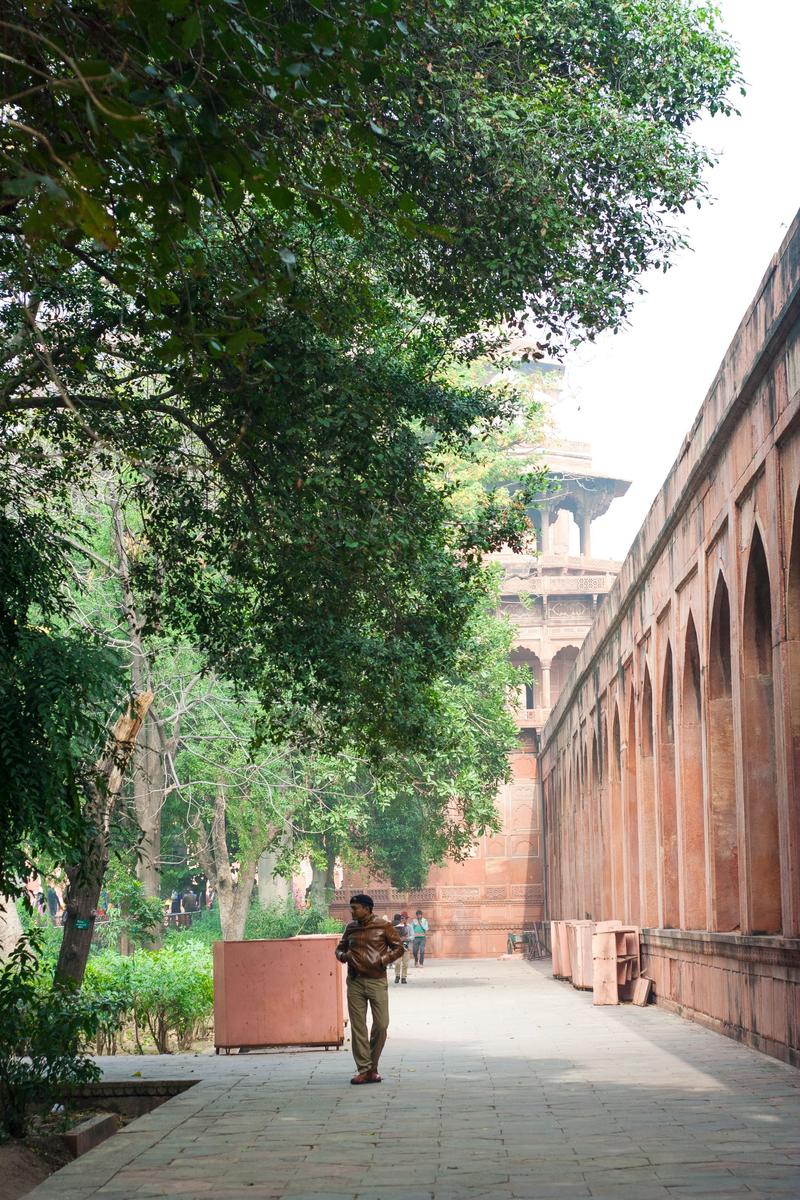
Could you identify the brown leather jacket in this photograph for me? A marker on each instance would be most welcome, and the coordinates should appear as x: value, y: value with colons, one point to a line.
x: 369, y: 946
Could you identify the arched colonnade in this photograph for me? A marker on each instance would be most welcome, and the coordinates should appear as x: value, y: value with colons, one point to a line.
x: 672, y: 800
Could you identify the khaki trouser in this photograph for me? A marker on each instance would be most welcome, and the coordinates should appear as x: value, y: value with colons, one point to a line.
x: 375, y: 993
x: 401, y: 966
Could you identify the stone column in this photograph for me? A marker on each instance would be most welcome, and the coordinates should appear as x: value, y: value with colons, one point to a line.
x: 545, y: 539
x: 586, y: 533
x: 545, y: 686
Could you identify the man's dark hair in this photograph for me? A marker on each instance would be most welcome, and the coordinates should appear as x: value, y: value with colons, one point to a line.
x: 361, y: 898
x: 418, y: 913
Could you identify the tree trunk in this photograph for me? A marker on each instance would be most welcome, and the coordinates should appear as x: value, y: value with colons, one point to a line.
x: 10, y: 926
x: 86, y: 878
x: 317, y: 890
x: 148, y: 766
x: 233, y: 895
x: 148, y: 798
x: 272, y: 889
x: 234, y: 902
x: 322, y: 882
x: 330, y: 868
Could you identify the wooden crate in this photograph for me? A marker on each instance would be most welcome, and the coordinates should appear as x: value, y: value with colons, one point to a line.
x: 579, y: 938
x: 554, y: 950
x: 616, y: 963
x: 560, y: 950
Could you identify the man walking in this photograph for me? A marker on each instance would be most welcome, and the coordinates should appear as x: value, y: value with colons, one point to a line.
x: 401, y: 966
x: 419, y: 931
x: 368, y: 945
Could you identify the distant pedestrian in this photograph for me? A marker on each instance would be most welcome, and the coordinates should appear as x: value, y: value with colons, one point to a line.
x: 368, y: 945
x: 419, y: 933
x: 175, y: 903
x: 401, y: 965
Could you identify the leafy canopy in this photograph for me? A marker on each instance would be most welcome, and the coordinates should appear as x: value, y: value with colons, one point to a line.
x: 241, y: 244
x: 495, y: 157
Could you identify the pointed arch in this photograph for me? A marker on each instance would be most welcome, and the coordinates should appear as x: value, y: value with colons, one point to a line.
x: 605, y: 842
x: 793, y: 681
x: 587, y: 875
x: 649, y: 843
x: 667, y: 798
x: 618, y: 857
x: 531, y: 688
x: 575, y: 825
x: 560, y: 667
x: 616, y: 744
x: 632, y: 818
x: 597, y: 832
x: 758, y: 739
x: 724, y: 835
x: 692, y: 794
x: 562, y: 866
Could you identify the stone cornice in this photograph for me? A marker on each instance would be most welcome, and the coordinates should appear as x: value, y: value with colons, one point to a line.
x: 767, y: 949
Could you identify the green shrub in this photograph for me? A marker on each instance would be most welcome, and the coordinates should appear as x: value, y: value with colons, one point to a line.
x: 133, y: 915
x: 46, y: 935
x: 44, y: 1031
x: 169, y: 992
x: 173, y: 992
x: 205, y: 928
x: 284, y: 920
x: 108, y: 978
x: 273, y: 921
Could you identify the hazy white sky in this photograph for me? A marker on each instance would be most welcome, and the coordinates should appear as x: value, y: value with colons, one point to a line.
x: 635, y: 394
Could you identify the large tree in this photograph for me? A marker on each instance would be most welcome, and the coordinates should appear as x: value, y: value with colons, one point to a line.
x: 411, y: 811
x: 510, y: 156
x: 240, y: 245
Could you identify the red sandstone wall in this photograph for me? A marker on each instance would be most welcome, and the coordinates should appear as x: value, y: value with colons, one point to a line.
x: 671, y: 764
x: 472, y: 906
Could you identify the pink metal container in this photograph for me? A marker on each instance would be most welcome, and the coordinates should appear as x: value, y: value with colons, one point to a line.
x: 278, y: 992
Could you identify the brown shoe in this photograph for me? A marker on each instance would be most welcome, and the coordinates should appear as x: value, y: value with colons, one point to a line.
x: 362, y: 1077
x: 374, y: 1077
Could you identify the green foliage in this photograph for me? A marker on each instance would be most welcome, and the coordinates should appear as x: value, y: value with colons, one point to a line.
x: 46, y: 936
x: 205, y: 929
x: 168, y: 992
x: 56, y: 690
x: 43, y: 1035
x: 132, y: 915
x: 241, y: 252
x: 219, y: 752
x: 507, y: 156
x: 273, y: 921
x: 172, y: 991
x: 408, y: 812
x: 284, y: 921
x: 192, y: 111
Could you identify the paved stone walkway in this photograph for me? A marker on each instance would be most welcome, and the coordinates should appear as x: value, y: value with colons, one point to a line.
x: 498, y: 1083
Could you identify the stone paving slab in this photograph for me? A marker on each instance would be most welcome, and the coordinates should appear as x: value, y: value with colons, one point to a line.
x: 499, y: 1084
